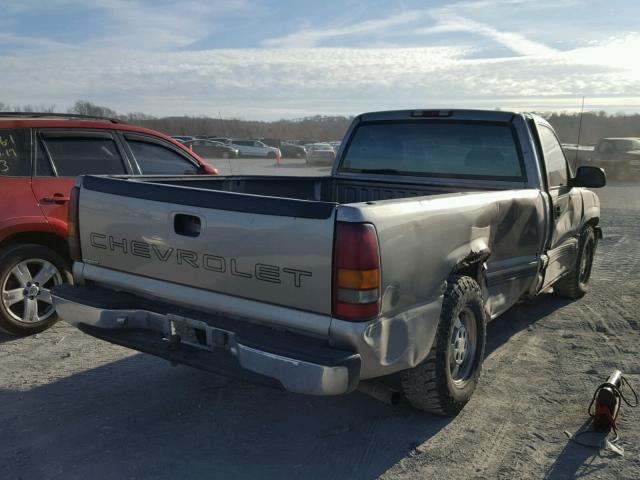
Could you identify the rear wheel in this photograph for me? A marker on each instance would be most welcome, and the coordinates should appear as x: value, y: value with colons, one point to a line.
x: 575, y: 284
x: 444, y: 382
x: 27, y: 274
x: 271, y: 155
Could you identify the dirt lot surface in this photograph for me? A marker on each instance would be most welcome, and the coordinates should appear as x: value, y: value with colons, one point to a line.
x: 76, y: 408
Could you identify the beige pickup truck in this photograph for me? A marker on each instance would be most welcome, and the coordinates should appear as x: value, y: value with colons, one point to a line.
x: 385, y: 273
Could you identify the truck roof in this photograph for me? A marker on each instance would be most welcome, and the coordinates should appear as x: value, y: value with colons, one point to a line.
x: 443, y: 113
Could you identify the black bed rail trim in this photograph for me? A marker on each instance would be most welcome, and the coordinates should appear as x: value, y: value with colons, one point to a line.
x: 220, y: 200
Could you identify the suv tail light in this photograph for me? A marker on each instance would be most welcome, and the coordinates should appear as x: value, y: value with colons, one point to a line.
x: 356, y: 272
x: 73, y: 231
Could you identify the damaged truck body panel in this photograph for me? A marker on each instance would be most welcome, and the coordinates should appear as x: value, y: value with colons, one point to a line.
x: 423, y: 209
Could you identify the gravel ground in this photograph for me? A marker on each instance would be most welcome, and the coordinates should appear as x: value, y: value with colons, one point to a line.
x: 73, y: 407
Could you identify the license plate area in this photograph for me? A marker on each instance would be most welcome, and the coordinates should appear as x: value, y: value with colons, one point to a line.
x: 198, y: 334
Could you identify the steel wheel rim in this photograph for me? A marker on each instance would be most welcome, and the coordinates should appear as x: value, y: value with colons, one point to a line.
x: 585, y: 262
x: 26, y: 290
x: 463, y: 344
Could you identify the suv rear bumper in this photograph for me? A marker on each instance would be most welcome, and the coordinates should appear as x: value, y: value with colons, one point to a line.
x: 229, y: 347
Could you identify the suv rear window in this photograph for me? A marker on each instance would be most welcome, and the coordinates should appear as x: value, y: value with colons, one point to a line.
x: 437, y: 149
x: 85, y: 156
x: 14, y: 153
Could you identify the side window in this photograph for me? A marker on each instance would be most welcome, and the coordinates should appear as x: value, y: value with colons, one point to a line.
x: 553, y: 157
x: 73, y: 156
x: 154, y: 159
x: 14, y: 153
x: 43, y: 165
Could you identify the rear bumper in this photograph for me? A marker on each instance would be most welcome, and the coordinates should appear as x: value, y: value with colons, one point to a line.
x: 229, y: 347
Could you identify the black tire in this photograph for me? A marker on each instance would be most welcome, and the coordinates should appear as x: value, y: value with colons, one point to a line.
x: 575, y: 284
x: 33, y: 257
x: 432, y: 386
x: 271, y: 155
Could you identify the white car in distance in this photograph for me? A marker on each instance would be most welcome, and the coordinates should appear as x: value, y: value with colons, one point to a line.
x: 253, y: 148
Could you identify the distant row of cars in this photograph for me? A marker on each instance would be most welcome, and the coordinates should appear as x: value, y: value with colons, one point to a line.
x: 218, y: 147
x: 618, y: 156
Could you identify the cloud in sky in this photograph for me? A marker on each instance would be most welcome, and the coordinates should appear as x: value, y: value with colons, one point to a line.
x: 464, y: 54
x: 312, y: 37
x: 515, y: 42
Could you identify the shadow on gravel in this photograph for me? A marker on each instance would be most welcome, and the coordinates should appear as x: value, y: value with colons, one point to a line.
x: 575, y: 461
x: 520, y: 317
x: 4, y: 338
x: 139, y: 418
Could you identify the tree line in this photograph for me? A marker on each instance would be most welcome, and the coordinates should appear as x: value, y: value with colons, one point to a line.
x: 595, y: 125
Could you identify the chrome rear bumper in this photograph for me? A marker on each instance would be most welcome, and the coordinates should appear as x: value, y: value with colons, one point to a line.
x: 253, y: 352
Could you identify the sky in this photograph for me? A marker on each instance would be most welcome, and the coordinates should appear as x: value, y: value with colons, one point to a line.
x: 267, y: 60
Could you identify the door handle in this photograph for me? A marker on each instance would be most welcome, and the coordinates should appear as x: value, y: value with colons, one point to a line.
x: 187, y: 225
x: 58, y: 199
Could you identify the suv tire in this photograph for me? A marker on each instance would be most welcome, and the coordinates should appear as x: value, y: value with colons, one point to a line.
x: 27, y: 272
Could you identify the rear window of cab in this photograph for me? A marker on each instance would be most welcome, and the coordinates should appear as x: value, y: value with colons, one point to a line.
x: 14, y: 153
x: 438, y: 149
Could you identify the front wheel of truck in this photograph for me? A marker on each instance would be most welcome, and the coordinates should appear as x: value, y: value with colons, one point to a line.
x: 575, y: 284
x: 444, y: 382
x: 27, y: 273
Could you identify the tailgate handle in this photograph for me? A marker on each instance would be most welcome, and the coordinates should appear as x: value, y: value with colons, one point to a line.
x: 187, y: 225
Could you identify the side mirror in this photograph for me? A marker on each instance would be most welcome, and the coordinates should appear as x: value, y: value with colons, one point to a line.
x: 590, y: 177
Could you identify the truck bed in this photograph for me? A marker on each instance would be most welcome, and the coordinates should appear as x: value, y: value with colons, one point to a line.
x: 324, y: 189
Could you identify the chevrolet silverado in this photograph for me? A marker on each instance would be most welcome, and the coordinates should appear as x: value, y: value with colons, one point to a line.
x: 432, y: 223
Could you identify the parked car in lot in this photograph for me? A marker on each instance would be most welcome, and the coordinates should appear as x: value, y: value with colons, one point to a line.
x: 40, y: 156
x: 211, y: 149
x: 183, y: 138
x: 320, y: 153
x: 577, y: 154
x: 254, y: 148
x: 620, y: 157
x: 290, y: 150
x: 431, y: 224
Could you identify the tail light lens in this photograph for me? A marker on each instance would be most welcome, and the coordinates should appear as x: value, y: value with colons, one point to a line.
x: 73, y: 231
x: 356, y: 272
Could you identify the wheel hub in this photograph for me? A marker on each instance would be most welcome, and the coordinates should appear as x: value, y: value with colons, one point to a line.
x: 25, y: 292
x: 463, y: 347
x: 460, y: 345
x: 32, y: 291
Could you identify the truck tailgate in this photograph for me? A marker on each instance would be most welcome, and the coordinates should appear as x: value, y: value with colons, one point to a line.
x: 268, y: 249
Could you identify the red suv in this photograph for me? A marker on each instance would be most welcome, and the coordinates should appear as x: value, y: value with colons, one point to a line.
x: 40, y: 156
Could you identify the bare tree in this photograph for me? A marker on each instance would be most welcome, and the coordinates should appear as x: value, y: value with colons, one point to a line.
x: 84, y: 107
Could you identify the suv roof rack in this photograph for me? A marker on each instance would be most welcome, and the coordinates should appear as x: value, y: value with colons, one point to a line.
x: 57, y: 115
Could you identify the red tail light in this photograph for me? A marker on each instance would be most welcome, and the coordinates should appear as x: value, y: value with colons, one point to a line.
x: 356, y: 272
x: 73, y: 231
